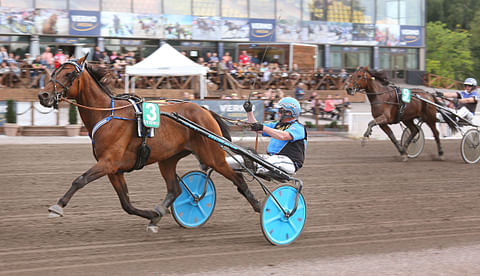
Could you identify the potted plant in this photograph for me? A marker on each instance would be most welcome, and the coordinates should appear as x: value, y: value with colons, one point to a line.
x: 73, y: 128
x: 11, y: 127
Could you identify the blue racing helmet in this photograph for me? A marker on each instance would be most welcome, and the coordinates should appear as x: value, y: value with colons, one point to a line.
x: 470, y: 81
x: 290, y: 104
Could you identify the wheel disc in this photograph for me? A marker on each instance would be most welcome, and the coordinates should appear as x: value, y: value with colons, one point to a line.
x: 470, y: 147
x: 189, y: 211
x: 415, y: 147
x: 276, y: 227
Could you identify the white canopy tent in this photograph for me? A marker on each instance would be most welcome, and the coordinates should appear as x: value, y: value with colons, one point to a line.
x: 166, y: 61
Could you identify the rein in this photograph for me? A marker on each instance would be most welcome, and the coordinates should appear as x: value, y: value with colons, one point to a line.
x: 96, y: 108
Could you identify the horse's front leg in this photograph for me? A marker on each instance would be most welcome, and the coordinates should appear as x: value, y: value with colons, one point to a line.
x: 120, y: 186
x: 377, y: 121
x: 92, y: 174
x: 399, y: 147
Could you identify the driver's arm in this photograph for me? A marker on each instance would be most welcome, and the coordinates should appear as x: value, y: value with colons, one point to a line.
x: 278, y: 134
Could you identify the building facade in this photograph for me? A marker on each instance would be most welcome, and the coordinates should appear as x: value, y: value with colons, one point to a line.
x: 383, y: 34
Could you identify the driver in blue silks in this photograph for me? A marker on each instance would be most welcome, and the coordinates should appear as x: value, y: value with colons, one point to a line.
x: 288, y: 142
x: 465, y: 101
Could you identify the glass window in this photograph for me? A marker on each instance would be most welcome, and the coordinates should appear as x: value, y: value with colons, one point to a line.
x: 206, y: 7
x: 234, y: 8
x: 17, y: 4
x: 147, y: 6
x: 262, y: 9
x: 314, y: 10
x: 411, y: 12
x: 117, y: 5
x: 177, y: 7
x: 363, y: 11
x: 339, y: 11
x: 289, y: 9
x: 51, y: 4
x: 412, y: 59
x: 86, y: 5
x: 387, y: 11
x: 384, y: 58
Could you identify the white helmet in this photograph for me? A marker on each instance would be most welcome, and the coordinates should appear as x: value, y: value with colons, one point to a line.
x: 470, y: 81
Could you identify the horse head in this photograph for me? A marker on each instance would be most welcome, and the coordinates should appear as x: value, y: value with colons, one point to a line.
x: 358, y: 80
x: 62, y: 83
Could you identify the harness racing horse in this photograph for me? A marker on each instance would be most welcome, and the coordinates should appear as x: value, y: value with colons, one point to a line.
x: 115, y: 142
x: 386, y: 108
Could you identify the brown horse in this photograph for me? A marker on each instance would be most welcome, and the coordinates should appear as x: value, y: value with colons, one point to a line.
x: 387, y: 108
x: 115, y: 143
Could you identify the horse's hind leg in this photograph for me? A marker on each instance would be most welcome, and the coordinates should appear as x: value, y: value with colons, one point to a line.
x: 413, y: 132
x: 431, y: 124
x: 92, y: 174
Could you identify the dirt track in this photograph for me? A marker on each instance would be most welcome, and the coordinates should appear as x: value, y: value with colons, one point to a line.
x: 360, y: 202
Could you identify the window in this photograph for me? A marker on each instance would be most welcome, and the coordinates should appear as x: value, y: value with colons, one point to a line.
x: 17, y: 4
x: 289, y: 9
x: 206, y: 7
x: 412, y: 59
x: 51, y: 4
x: 339, y: 11
x: 350, y: 57
x: 314, y: 10
x: 147, y: 6
x: 234, y: 8
x: 363, y: 11
x: 181, y: 7
x: 262, y: 9
x: 387, y: 12
x: 86, y: 5
x: 411, y: 12
x: 117, y: 5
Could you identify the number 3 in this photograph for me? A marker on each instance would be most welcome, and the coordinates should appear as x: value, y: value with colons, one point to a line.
x: 151, y: 115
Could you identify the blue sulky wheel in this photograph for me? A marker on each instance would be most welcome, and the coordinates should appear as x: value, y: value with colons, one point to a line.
x: 276, y: 226
x: 190, y: 209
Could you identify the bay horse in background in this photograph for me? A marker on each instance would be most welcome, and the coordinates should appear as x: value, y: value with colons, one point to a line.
x: 116, y: 142
x: 386, y: 107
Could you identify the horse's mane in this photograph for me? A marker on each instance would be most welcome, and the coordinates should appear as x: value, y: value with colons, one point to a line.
x: 102, y: 76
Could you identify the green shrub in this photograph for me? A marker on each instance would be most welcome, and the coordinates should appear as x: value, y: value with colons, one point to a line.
x: 11, y: 115
x: 309, y: 124
x: 72, y: 115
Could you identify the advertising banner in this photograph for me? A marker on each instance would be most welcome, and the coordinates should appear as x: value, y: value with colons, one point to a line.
x: 117, y: 24
x: 233, y: 109
x: 387, y: 35
x: 50, y: 21
x: 326, y: 32
x: 177, y: 26
x: 235, y: 29
x: 208, y: 28
x: 147, y: 25
x: 411, y: 36
x: 84, y: 23
x: 363, y: 34
x: 288, y: 30
x: 16, y: 21
x: 262, y: 30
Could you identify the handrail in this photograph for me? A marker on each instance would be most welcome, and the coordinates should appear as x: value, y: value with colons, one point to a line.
x: 437, y: 81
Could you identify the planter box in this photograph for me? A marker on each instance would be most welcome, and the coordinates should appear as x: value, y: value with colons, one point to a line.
x: 10, y: 129
x: 73, y: 130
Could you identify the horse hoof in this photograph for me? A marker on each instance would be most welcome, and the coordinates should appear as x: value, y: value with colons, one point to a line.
x: 152, y: 228
x: 404, y: 158
x: 55, y: 211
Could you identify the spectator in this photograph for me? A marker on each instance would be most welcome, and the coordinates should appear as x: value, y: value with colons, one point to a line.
x: 105, y: 57
x: 97, y: 55
x: 330, y: 107
x: 300, y: 91
x: 244, y: 59
x: 221, y: 70
x: 255, y: 60
x: 130, y: 58
x: 3, y: 54
x: 4, y: 70
x: 47, y: 58
x: 113, y: 57
x: 60, y: 58
x: 11, y: 58
x: 213, y: 58
x: 13, y: 76
x: 343, y: 74
x: 266, y: 75
x: 28, y: 59
x: 37, y: 74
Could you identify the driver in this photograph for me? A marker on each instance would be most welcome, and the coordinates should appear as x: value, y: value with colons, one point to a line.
x: 288, y: 142
x: 465, y: 101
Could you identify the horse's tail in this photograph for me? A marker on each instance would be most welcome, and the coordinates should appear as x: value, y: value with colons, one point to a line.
x: 448, y: 119
x: 223, y: 126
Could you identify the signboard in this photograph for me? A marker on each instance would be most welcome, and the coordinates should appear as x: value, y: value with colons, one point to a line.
x: 236, y: 29
x: 208, y: 28
x: 117, y: 24
x: 411, y: 36
x: 262, y: 29
x: 151, y: 115
x: 177, y: 26
x: 233, y: 109
x: 84, y: 23
x: 147, y: 25
x: 51, y: 22
x: 16, y: 21
x: 387, y: 35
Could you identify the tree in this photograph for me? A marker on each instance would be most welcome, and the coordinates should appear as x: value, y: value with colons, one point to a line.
x: 475, y: 44
x: 448, y: 52
x: 456, y: 14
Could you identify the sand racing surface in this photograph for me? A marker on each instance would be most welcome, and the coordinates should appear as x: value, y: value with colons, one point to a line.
x: 367, y: 214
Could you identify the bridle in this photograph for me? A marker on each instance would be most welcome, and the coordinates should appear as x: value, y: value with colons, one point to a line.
x: 75, y: 74
x: 356, y: 87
